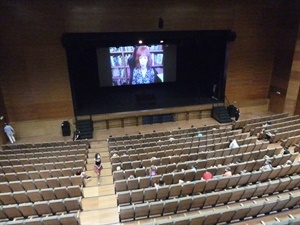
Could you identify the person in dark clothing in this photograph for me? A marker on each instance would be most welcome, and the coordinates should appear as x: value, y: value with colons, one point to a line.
x: 286, y: 151
x: 76, y: 135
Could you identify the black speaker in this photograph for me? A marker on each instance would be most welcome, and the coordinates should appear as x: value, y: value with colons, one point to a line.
x: 66, y: 128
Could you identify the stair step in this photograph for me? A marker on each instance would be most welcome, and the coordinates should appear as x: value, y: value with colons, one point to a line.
x: 86, y: 129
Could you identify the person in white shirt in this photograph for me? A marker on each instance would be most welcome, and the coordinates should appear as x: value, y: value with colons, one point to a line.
x: 233, y: 144
x: 9, y: 130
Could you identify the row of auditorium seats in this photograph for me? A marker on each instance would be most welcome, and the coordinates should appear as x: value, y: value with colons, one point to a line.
x: 189, y: 136
x: 181, y: 155
x: 41, y: 183
x: 38, y: 154
x: 251, y: 126
x: 61, y: 219
x: 36, y: 195
x: 291, y: 140
x: 189, y: 160
x: 180, y: 162
x: 39, y: 209
x: 35, y: 160
x: 40, y: 174
x: 284, y: 134
x: 238, y: 210
x: 46, y: 144
x: 229, y: 135
x: 64, y: 166
x: 185, y: 148
x: 241, y: 123
x: 45, y: 149
x: 223, y: 196
x: 252, y: 169
x: 278, y: 126
x: 208, y: 129
x: 241, y: 139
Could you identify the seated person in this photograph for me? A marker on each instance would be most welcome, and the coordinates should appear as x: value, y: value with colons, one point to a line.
x: 228, y: 172
x: 261, y: 134
x: 152, y: 171
x: 270, y: 134
x: 207, y: 175
x: 267, y: 124
x: 82, y: 174
x: 286, y: 151
x: 233, y: 144
x: 160, y: 183
x: 267, y: 165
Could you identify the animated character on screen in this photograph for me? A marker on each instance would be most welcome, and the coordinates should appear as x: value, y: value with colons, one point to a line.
x: 143, y: 73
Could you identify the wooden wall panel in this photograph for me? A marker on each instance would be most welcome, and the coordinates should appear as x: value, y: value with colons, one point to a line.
x: 137, y: 15
x: 251, y: 55
x: 283, y: 83
x: 34, y: 75
x: 293, y: 96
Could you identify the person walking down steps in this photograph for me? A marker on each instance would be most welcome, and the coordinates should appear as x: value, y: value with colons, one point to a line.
x: 98, y: 166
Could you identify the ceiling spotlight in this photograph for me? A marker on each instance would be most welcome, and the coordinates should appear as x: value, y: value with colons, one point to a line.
x: 161, y: 41
x: 140, y: 42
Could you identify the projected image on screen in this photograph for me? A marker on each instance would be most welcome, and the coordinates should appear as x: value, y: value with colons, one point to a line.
x: 137, y: 65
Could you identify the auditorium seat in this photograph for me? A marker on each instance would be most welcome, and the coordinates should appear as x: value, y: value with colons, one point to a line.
x: 175, y: 190
x: 51, y: 220
x: 27, y: 210
x: 170, y: 206
x: 69, y: 218
x: 61, y: 192
x: 137, y: 196
x: 7, y: 198
x: 34, y: 195
x: 53, y: 182
x: 123, y: 198
x: 40, y: 183
x: 22, y: 175
x: 16, y: 186
x: 12, y: 212
x: 187, y: 188
x: 121, y: 185
x: 162, y: 192
x: 72, y: 204
x: 21, y: 197
x: 48, y: 194
x: 126, y: 213
x: 141, y: 211
x: 184, y: 204
x: 156, y: 209
x: 150, y: 194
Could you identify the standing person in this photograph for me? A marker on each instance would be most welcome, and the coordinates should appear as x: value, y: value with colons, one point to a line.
x: 143, y: 73
x: 76, y: 135
x: 98, y: 166
x: 9, y: 130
